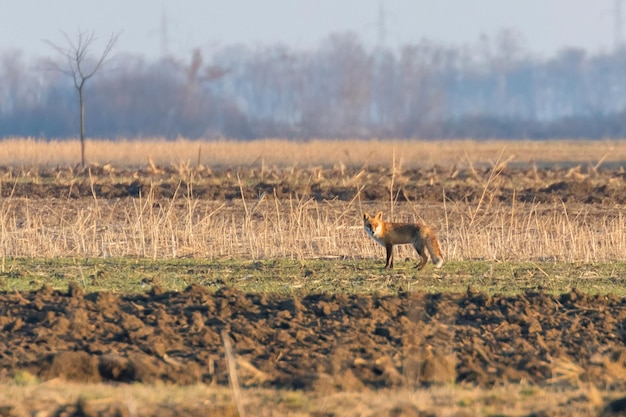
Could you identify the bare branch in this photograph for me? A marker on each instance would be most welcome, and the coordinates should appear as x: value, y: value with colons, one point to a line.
x: 76, y: 54
x: 107, y: 49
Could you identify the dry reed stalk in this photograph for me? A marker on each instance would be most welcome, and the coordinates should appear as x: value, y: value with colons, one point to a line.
x: 232, y: 374
x: 493, y: 174
x: 393, y: 177
x: 564, y: 370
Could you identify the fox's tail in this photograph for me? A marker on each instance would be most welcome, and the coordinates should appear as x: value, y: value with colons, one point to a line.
x: 433, y: 248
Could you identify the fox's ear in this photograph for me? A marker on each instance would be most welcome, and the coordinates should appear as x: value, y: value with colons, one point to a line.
x: 366, y: 216
x: 379, y: 215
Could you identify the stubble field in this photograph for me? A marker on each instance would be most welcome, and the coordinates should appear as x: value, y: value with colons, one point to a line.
x: 207, y: 285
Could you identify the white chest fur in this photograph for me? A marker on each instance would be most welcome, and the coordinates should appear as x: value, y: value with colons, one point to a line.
x: 375, y: 234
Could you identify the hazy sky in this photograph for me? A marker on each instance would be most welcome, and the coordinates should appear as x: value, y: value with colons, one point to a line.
x: 149, y: 26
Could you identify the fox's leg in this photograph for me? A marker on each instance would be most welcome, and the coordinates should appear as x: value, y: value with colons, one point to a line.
x: 422, y: 253
x: 389, y: 263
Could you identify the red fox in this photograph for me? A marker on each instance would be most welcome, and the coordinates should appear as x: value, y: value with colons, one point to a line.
x: 389, y: 234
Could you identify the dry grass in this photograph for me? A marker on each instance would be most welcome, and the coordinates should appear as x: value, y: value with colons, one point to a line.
x: 301, y: 229
x: 284, y: 153
x: 142, y: 399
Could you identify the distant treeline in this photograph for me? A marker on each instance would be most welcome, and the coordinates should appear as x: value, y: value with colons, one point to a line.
x: 339, y: 89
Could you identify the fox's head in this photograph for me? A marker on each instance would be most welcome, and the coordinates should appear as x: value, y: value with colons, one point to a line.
x: 372, y: 224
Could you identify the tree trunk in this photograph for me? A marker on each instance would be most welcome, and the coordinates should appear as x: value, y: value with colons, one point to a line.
x: 82, y: 126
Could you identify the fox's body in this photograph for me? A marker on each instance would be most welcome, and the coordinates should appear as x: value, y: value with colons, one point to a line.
x: 389, y: 234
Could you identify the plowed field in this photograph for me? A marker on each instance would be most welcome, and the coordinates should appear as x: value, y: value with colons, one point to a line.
x: 314, y: 342
x: 320, y: 343
x: 570, y: 185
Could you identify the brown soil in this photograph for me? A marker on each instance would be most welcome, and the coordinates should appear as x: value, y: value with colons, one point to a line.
x: 318, y: 343
x: 575, y: 185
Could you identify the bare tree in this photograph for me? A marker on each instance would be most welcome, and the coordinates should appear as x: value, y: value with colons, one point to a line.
x: 80, y: 67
